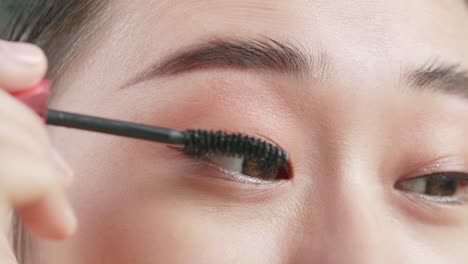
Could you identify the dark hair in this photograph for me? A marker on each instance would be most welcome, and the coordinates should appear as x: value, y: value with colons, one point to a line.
x: 61, y: 28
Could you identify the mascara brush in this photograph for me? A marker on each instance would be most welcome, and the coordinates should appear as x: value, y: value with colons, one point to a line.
x: 196, y: 142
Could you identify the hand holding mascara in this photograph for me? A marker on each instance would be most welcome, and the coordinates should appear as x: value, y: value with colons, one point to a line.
x: 34, y: 177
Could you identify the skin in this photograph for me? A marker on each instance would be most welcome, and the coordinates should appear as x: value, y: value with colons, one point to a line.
x: 351, y: 137
x: 36, y: 191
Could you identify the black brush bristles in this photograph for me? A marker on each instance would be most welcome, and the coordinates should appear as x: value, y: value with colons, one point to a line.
x: 202, y: 142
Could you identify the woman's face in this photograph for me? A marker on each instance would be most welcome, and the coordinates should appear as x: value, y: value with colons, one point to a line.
x: 365, y: 96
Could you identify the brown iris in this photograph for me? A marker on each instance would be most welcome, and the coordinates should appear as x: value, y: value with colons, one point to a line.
x: 262, y: 170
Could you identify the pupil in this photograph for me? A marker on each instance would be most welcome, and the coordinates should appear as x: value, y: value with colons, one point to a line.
x: 442, y: 186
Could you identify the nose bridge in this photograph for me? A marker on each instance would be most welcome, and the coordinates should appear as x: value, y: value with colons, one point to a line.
x: 357, y: 226
x: 352, y: 226
x: 356, y: 221
x: 353, y: 217
x: 357, y: 215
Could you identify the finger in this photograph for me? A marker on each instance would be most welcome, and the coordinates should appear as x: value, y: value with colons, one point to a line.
x: 14, y: 112
x: 22, y: 65
x: 25, y: 178
x: 63, y: 168
x: 51, y: 217
x: 14, y: 137
x: 6, y: 252
x: 37, y: 191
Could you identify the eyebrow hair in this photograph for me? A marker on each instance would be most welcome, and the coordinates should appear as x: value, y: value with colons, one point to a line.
x: 259, y: 55
x: 440, y: 77
x: 269, y: 55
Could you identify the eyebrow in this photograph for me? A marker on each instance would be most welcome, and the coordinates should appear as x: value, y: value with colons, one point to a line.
x: 440, y: 77
x: 267, y: 55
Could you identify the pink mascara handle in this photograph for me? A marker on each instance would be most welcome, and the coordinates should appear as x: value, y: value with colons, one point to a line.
x: 36, y: 97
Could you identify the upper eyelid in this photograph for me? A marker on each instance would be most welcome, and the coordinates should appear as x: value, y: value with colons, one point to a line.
x: 451, y: 173
x: 443, y: 164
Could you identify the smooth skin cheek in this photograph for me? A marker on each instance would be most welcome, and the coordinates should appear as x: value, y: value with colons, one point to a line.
x: 350, y: 135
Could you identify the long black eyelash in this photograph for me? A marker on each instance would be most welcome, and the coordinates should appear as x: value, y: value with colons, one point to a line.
x: 202, y: 142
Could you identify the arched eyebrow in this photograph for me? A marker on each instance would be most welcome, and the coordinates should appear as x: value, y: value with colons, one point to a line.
x: 265, y: 55
x: 268, y: 55
x: 439, y: 77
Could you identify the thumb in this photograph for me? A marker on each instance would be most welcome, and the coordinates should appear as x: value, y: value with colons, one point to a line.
x: 22, y: 65
x: 7, y: 256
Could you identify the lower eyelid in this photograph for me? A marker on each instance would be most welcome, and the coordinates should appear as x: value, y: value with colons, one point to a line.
x: 204, y: 169
x: 442, y: 200
x: 202, y: 179
x: 433, y: 213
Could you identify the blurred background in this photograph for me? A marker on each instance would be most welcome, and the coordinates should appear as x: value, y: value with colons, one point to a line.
x: 5, y: 7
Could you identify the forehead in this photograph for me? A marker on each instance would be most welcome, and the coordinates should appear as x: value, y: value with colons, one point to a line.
x: 371, y: 24
x: 296, y: 15
x: 380, y: 36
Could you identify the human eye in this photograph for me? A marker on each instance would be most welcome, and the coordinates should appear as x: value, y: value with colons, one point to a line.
x: 252, y: 170
x: 441, y: 187
x: 239, y: 156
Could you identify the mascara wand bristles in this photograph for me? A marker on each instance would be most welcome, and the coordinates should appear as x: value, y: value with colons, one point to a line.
x: 201, y: 142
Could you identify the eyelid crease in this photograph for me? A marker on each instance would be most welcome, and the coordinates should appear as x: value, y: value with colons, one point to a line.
x: 437, y: 165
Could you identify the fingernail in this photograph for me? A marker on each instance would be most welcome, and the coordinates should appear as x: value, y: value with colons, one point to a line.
x: 63, y: 166
x: 24, y: 53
